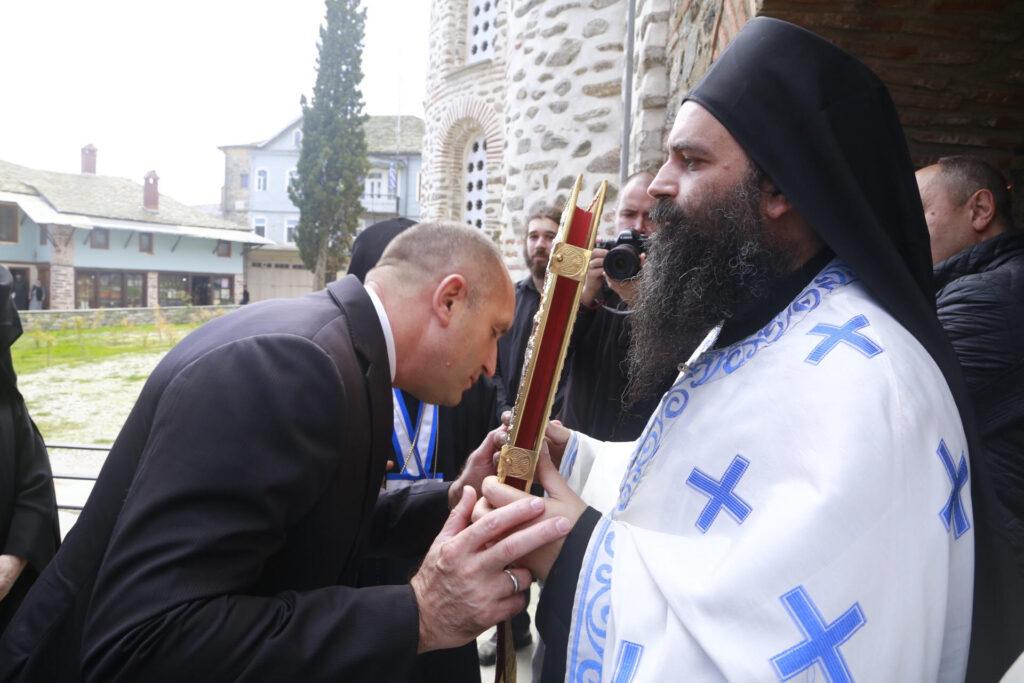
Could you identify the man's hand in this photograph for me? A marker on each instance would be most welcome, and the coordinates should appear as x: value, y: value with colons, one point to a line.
x: 461, y: 587
x: 479, y: 464
x: 595, y: 278
x: 627, y: 289
x: 562, y: 503
x: 11, y: 567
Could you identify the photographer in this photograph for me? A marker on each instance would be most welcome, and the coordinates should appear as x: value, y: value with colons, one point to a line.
x: 595, y: 369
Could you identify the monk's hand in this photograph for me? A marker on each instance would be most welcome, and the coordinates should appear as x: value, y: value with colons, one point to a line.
x: 481, y: 463
x: 556, y: 438
x: 561, y: 503
x: 463, y: 587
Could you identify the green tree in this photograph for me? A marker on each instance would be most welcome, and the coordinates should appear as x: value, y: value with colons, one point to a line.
x: 332, y: 161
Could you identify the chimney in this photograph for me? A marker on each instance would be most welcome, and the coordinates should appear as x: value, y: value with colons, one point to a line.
x: 89, y: 159
x: 151, y: 192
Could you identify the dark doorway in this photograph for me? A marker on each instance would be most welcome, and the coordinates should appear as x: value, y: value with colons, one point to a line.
x: 21, y: 287
x: 201, y: 290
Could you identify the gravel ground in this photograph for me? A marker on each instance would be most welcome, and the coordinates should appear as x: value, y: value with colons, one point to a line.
x: 83, y: 404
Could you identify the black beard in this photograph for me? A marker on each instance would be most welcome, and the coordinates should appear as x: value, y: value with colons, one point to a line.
x: 706, y: 264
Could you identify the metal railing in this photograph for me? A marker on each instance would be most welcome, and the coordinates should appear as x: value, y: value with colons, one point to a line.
x: 74, y: 477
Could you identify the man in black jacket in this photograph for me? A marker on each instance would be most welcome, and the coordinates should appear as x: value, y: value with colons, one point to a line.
x: 979, y: 280
x: 221, y: 540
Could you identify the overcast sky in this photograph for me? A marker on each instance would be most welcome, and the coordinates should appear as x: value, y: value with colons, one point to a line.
x: 161, y: 85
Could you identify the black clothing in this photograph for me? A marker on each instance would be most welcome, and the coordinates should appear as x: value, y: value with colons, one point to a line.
x: 29, y: 525
x: 980, y: 296
x: 20, y: 289
x: 245, y: 297
x: 370, y: 243
x: 225, y: 529
x: 512, y: 351
x: 596, y: 375
x: 512, y: 346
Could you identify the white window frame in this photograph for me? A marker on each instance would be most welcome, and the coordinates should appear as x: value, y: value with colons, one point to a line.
x: 474, y: 182
x: 290, y: 223
x: 292, y: 173
x: 262, y: 187
x: 297, y: 138
x: 258, y: 221
x: 480, y: 40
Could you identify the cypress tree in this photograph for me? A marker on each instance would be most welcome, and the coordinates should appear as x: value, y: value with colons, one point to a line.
x: 332, y: 161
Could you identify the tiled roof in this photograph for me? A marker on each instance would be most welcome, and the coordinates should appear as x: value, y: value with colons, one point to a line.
x: 104, y: 197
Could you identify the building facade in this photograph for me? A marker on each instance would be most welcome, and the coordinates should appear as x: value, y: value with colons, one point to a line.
x: 96, y: 241
x: 255, y: 195
x: 523, y: 95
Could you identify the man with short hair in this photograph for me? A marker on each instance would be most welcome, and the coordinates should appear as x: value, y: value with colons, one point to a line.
x: 803, y: 494
x: 221, y: 539
x: 595, y: 376
x: 979, y: 284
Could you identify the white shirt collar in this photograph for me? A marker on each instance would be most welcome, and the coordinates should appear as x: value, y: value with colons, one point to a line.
x: 385, y: 325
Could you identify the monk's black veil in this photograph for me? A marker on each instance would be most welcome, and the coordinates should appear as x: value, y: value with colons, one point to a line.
x: 824, y: 129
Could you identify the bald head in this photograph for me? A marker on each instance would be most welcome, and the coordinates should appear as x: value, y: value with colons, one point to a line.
x: 427, y: 252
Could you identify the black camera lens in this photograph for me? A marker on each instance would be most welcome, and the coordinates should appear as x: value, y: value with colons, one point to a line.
x: 622, y: 262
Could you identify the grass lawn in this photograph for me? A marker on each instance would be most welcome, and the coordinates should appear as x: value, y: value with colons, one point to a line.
x: 38, y: 350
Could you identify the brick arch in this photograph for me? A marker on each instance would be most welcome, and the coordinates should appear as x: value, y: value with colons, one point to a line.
x: 464, y: 119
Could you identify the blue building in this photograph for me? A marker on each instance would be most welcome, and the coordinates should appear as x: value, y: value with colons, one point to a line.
x: 255, y: 195
x: 97, y: 241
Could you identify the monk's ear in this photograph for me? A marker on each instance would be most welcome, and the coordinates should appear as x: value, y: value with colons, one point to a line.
x: 774, y: 204
x: 451, y: 292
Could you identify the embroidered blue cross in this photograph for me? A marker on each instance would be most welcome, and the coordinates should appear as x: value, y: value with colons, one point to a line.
x: 720, y: 493
x: 822, y: 641
x: 953, y: 513
x: 847, y: 334
x: 627, y: 662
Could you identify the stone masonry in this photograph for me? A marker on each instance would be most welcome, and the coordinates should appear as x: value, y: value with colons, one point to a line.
x: 550, y: 100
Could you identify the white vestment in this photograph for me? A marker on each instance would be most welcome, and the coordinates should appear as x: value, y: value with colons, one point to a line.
x: 798, y: 508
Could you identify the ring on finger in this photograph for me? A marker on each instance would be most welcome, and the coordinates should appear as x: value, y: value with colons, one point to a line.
x: 515, y: 581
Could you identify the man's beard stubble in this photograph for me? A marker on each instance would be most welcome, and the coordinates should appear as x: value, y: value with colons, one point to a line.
x: 707, y: 263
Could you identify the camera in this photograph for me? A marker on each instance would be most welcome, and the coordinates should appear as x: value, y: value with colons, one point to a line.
x: 622, y: 262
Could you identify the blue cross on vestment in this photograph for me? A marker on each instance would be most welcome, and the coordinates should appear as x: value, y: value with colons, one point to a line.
x: 822, y: 641
x: 953, y: 513
x: 721, y: 493
x: 846, y: 334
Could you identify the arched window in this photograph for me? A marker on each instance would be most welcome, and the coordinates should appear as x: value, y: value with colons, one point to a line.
x: 475, y: 182
x: 480, y: 41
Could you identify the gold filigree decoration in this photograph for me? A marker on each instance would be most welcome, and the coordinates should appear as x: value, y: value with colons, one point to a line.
x: 569, y: 261
x: 516, y: 462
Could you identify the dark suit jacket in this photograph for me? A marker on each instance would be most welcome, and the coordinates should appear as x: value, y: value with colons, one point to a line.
x: 234, y: 502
